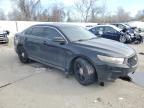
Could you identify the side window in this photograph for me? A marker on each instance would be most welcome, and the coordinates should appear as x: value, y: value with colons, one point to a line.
x: 28, y: 31
x: 121, y: 26
x: 50, y: 33
x: 37, y: 31
x: 109, y: 30
x: 93, y: 30
x: 99, y: 30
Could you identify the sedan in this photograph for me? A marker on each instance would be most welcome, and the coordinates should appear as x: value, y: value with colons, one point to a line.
x: 112, y: 32
x: 76, y: 51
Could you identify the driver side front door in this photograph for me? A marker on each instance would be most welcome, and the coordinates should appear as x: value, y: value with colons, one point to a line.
x: 52, y: 52
x: 110, y: 33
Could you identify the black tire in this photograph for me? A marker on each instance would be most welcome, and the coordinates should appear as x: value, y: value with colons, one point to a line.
x: 122, y: 39
x: 22, y: 55
x: 140, y: 39
x: 84, y: 72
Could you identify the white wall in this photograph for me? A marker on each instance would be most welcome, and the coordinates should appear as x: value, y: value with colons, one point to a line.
x: 138, y: 24
x: 18, y: 26
x: 8, y: 25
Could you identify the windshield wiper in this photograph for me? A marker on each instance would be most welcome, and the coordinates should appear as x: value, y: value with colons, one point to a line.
x: 93, y: 38
x: 82, y: 39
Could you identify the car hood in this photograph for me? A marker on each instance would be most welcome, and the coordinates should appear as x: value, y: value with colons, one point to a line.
x: 107, y: 47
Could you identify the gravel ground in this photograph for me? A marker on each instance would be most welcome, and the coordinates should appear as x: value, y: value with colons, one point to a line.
x: 36, y: 86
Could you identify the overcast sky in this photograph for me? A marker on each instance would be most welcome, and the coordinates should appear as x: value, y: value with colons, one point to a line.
x: 131, y: 6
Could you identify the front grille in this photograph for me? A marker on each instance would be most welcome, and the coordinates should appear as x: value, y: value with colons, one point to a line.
x: 2, y: 35
x: 132, y: 61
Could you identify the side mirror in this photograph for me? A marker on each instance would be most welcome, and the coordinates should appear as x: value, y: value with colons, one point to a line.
x: 59, y: 39
x: 139, y: 30
x: 7, y: 32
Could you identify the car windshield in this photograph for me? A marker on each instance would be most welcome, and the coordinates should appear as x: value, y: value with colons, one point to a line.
x: 77, y: 33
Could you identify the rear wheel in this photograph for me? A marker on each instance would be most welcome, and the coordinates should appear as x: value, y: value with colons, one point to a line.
x: 22, y: 55
x: 84, y: 72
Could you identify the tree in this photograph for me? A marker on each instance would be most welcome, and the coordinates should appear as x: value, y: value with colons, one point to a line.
x: 44, y: 15
x: 25, y: 10
x: 140, y: 15
x: 69, y: 19
x: 57, y: 13
x: 2, y: 15
x: 122, y: 15
x: 95, y: 12
x: 30, y: 10
x: 85, y: 7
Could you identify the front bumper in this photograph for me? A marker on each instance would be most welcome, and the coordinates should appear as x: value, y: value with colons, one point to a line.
x: 110, y: 73
x: 137, y: 38
x: 4, y: 39
x: 134, y: 37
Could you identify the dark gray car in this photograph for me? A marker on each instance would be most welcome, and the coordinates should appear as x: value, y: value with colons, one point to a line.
x: 75, y: 50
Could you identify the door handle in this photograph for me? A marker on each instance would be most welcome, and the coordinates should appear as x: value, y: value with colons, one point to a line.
x: 45, y: 43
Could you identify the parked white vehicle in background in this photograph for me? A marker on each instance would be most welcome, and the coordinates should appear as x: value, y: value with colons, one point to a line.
x: 3, y: 36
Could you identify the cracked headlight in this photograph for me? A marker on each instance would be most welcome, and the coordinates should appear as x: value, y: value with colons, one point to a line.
x: 132, y: 35
x: 113, y: 60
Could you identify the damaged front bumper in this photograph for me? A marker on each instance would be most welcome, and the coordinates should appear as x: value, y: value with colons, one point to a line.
x: 110, y: 72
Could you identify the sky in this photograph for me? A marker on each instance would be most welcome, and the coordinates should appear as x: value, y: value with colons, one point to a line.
x: 131, y: 6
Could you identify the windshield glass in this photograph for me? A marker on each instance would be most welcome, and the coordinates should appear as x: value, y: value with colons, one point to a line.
x: 74, y: 33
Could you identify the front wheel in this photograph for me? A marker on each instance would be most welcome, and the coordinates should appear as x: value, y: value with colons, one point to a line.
x: 22, y: 55
x: 84, y: 72
x: 122, y: 39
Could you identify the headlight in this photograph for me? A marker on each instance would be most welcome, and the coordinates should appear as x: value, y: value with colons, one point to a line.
x: 111, y: 59
x: 131, y: 34
x: 128, y: 36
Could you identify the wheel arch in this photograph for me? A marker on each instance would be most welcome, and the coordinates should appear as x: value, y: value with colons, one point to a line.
x: 83, y: 57
x: 18, y: 46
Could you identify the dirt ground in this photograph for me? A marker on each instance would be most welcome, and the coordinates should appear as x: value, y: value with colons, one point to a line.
x: 36, y: 86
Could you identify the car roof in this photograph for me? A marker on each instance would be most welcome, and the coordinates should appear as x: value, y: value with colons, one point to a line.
x: 57, y: 25
x: 124, y: 24
x: 113, y: 26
